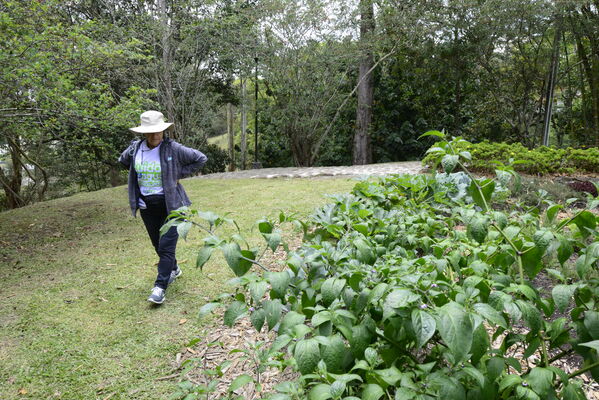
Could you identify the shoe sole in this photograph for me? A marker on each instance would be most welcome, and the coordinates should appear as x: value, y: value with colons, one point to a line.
x: 156, y: 302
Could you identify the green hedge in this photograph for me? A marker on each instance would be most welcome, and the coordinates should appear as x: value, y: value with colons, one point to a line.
x: 540, y: 161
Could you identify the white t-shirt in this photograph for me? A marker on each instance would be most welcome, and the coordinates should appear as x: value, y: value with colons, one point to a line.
x: 147, y: 166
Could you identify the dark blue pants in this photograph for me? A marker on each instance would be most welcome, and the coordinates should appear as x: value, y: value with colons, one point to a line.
x: 154, y: 216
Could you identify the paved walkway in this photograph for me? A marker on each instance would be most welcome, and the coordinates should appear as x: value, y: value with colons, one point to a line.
x: 406, y: 167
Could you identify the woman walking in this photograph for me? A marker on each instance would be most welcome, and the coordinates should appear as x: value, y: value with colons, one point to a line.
x: 155, y: 166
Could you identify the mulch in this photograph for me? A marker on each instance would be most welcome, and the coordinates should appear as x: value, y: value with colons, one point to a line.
x: 221, y: 343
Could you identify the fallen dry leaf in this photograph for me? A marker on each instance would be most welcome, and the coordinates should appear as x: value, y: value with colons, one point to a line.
x: 22, y: 391
x: 182, y: 321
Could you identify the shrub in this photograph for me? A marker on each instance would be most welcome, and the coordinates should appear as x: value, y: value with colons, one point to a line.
x: 218, y: 159
x: 540, y: 161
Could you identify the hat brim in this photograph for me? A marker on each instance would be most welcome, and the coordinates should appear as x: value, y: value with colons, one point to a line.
x: 152, y: 128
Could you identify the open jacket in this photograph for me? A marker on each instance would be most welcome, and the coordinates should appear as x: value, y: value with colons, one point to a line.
x: 176, y: 162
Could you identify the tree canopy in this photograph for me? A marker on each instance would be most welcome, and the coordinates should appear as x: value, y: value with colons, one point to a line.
x: 75, y: 75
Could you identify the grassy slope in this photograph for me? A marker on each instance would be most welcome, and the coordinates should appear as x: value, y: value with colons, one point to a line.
x: 221, y: 141
x: 74, y: 320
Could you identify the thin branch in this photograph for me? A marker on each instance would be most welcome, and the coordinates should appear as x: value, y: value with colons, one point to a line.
x: 330, y: 126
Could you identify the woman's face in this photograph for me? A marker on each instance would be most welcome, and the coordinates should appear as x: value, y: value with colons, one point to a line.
x: 154, y: 139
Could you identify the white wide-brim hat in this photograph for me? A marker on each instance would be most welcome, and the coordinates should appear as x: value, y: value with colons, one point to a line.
x: 152, y: 122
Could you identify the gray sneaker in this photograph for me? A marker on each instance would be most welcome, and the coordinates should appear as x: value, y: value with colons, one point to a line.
x: 175, y: 274
x: 157, y: 296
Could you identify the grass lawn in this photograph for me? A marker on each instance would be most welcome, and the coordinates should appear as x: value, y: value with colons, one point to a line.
x: 221, y: 141
x: 76, y: 272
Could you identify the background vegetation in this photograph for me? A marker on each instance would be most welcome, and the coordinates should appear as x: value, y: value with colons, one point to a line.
x: 75, y: 75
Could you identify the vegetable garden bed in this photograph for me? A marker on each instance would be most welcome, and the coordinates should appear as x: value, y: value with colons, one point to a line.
x: 390, y: 298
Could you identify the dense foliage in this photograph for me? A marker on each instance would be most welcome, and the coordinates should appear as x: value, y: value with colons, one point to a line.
x: 421, y: 288
x: 74, y: 75
x: 541, y: 160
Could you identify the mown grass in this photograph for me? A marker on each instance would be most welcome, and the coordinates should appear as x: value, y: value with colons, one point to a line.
x: 221, y: 141
x: 76, y: 272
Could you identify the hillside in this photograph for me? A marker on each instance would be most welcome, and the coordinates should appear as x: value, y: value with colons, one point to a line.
x: 74, y: 321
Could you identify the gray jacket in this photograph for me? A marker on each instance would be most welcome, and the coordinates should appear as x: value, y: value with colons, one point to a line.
x: 176, y: 162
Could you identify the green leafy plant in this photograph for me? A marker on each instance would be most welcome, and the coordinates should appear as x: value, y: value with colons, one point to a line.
x: 539, y: 161
x: 403, y: 292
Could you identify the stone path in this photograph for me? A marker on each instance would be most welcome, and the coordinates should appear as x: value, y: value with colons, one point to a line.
x: 406, y: 167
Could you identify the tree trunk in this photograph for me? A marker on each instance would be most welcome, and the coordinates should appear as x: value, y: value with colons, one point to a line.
x: 168, y: 98
x: 362, y: 153
x: 231, y: 135
x: 243, y: 124
x: 553, y: 68
x: 591, y: 68
x: 11, y: 184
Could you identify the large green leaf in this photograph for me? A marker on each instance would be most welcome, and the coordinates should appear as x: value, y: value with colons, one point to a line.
x: 399, y: 298
x: 562, y: 295
x: 388, y: 376
x: 365, y: 251
x: 233, y: 256
x: 564, y: 250
x: 239, y: 382
x: 455, y: 327
x: 331, y: 289
x: 432, y: 133
x: 540, y: 380
x: 183, y: 228
x: 449, y: 162
x: 551, y: 212
x: 491, y: 314
x: 203, y: 256
x: 257, y: 290
x: 586, y: 222
x: 279, y: 281
x: 307, y: 355
x: 360, y: 340
x: 478, y: 228
x: 542, y: 239
x: 320, y: 392
x: 273, y: 309
x: 591, y: 322
x: 333, y: 354
x: 531, y: 315
x: 482, y: 197
x: 257, y: 318
x: 235, y: 311
x: 480, y: 344
x: 290, y: 320
x: 585, y: 261
x: 531, y: 261
x: 508, y: 382
x: 594, y: 344
x: 372, y: 391
x: 424, y: 326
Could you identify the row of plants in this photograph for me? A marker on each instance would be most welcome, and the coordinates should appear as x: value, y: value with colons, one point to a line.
x: 417, y: 287
x: 539, y: 161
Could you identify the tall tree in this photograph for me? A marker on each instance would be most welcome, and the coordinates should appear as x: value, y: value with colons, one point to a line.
x: 584, y: 21
x: 165, y: 73
x: 362, y: 151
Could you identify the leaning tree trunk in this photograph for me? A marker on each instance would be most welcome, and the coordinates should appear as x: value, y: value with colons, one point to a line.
x: 362, y: 153
x: 231, y: 136
x: 243, y: 124
x: 553, y: 68
x: 11, y: 183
